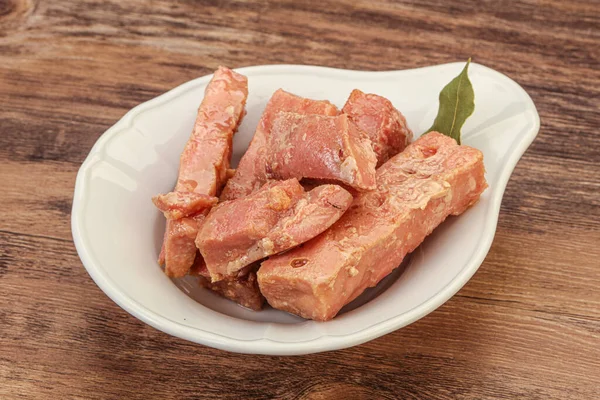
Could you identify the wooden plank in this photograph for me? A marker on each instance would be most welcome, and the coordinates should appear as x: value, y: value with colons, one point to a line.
x: 527, y: 325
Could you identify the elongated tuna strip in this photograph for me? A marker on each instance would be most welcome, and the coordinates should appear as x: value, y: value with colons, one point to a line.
x: 175, y: 205
x: 250, y: 174
x: 320, y: 147
x: 385, y: 125
x: 277, y: 217
x: 417, y: 190
x: 241, y: 289
x: 204, y: 162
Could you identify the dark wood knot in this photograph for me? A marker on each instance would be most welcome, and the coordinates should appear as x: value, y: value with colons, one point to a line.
x: 7, y: 7
x: 14, y: 12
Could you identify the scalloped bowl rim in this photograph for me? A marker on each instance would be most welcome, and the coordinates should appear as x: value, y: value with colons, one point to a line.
x: 264, y: 345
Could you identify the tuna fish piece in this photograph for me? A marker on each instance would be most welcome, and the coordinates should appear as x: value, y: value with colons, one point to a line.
x: 175, y: 205
x: 385, y: 125
x: 204, y: 162
x: 179, y: 250
x: 243, y: 289
x: 277, y: 217
x: 205, y: 159
x: 416, y: 190
x: 321, y: 147
x: 250, y: 174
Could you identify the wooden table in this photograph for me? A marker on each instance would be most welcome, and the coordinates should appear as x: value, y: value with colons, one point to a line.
x: 526, y: 326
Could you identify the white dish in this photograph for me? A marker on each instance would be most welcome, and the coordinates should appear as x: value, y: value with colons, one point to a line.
x: 118, y: 232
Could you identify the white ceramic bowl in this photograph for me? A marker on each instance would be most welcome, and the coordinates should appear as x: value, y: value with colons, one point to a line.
x: 118, y: 232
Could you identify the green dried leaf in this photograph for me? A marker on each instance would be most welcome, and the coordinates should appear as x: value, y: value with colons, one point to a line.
x: 457, y: 103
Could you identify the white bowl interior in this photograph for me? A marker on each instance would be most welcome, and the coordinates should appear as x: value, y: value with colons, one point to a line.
x: 118, y: 231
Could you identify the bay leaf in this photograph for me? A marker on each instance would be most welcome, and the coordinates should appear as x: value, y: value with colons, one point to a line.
x: 457, y: 103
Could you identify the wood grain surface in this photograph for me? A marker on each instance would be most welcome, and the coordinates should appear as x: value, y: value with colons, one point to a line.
x: 526, y: 326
